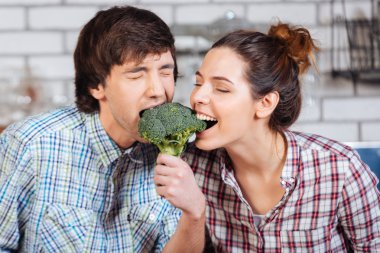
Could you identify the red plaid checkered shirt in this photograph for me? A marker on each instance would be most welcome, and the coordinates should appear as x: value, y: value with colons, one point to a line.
x: 330, y: 199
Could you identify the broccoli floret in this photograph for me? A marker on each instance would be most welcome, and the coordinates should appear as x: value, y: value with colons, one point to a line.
x: 169, y: 127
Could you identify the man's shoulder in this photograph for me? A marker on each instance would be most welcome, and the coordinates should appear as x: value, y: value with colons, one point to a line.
x: 53, y: 121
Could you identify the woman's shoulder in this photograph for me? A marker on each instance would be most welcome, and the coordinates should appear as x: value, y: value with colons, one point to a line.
x: 332, y: 159
x: 328, y: 153
x: 320, y: 144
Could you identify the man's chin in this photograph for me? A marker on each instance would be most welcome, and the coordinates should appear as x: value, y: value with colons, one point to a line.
x: 142, y: 140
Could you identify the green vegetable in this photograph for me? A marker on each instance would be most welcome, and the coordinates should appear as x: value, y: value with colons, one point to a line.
x: 169, y: 127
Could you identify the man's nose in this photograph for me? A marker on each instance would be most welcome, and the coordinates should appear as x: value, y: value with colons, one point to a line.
x: 155, y: 87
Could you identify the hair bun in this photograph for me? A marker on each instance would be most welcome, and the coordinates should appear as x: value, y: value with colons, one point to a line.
x: 300, y: 45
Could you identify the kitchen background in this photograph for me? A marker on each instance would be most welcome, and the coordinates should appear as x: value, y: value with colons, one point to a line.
x: 37, y: 39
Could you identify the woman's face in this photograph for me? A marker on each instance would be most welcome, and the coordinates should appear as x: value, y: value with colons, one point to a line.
x: 222, y: 94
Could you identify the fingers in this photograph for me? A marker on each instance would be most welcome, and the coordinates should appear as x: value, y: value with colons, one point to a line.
x: 165, y: 191
x: 170, y: 161
x: 164, y: 170
x: 160, y: 190
x: 161, y: 180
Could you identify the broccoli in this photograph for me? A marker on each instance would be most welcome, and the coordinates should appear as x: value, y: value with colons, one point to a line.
x: 169, y: 127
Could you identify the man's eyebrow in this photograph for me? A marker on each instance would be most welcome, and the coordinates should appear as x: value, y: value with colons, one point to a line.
x: 135, y: 69
x: 142, y: 68
x: 168, y: 66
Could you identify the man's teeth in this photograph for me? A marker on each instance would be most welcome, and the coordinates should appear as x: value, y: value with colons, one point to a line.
x: 205, y: 117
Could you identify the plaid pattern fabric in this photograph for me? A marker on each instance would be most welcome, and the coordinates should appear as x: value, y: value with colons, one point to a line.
x: 330, y: 196
x: 65, y: 186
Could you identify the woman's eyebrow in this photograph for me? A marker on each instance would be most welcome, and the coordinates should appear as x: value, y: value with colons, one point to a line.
x: 222, y: 78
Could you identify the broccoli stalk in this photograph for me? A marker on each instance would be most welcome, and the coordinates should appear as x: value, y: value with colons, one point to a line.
x: 169, y: 126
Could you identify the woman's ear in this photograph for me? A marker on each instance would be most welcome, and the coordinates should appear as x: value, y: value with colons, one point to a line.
x: 267, y: 104
x: 98, y: 92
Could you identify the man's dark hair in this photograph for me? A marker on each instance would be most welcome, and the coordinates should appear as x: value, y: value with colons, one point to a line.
x: 113, y: 37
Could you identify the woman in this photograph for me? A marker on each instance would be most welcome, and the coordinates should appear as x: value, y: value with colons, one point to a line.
x: 268, y: 189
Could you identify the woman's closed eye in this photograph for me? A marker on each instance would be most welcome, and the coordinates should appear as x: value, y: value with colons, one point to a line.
x: 222, y: 90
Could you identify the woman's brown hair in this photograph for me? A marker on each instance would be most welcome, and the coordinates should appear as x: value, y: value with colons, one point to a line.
x: 112, y: 37
x: 275, y: 62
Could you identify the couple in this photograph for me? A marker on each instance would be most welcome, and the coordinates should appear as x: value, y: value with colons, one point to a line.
x: 81, y: 179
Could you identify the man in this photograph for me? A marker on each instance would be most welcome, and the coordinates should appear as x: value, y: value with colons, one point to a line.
x: 62, y: 185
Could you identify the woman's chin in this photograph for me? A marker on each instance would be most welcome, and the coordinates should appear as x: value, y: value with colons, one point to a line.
x: 202, y: 144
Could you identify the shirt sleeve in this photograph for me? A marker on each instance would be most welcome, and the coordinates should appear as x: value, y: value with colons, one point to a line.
x: 16, y: 190
x: 359, y: 210
x: 169, y: 225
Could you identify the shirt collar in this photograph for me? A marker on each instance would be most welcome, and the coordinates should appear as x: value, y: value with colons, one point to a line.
x: 226, y: 169
x: 292, y: 165
x: 105, y: 147
x: 290, y: 171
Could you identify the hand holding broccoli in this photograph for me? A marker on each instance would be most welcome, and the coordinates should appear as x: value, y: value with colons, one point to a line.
x: 169, y: 127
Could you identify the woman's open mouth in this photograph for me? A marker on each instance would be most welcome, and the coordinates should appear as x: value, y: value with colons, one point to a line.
x: 210, y: 121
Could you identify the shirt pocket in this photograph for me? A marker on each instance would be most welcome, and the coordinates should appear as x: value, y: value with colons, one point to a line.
x: 305, y: 241
x: 149, y: 213
x: 145, y: 221
x: 65, y: 228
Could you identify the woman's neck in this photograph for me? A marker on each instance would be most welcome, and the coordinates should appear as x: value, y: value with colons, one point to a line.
x: 258, y: 167
x: 262, y: 156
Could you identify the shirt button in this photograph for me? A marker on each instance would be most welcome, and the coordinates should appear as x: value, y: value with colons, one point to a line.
x: 152, y: 217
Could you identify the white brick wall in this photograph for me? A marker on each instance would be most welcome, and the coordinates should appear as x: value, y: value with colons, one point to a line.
x: 71, y: 39
x: 370, y: 131
x: 12, y: 18
x: 299, y: 13
x: 204, y: 14
x: 354, y: 9
x: 42, y: 34
x: 26, y: 43
x: 173, y: 1
x: 11, y: 62
x: 102, y: 2
x: 28, y: 2
x: 338, y: 131
x: 53, y: 67
x: 60, y: 17
x: 353, y: 108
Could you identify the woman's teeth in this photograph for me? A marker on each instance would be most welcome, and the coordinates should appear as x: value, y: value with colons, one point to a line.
x: 205, y: 117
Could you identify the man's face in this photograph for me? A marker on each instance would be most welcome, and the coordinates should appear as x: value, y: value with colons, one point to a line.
x: 131, y: 88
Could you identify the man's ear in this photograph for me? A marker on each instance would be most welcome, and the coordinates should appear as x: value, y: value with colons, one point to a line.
x: 98, y: 92
x: 267, y: 104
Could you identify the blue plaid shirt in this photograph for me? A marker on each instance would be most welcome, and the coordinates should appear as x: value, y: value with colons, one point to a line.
x: 65, y: 186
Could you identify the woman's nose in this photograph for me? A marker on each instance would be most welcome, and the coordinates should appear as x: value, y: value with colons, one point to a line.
x: 201, y: 94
